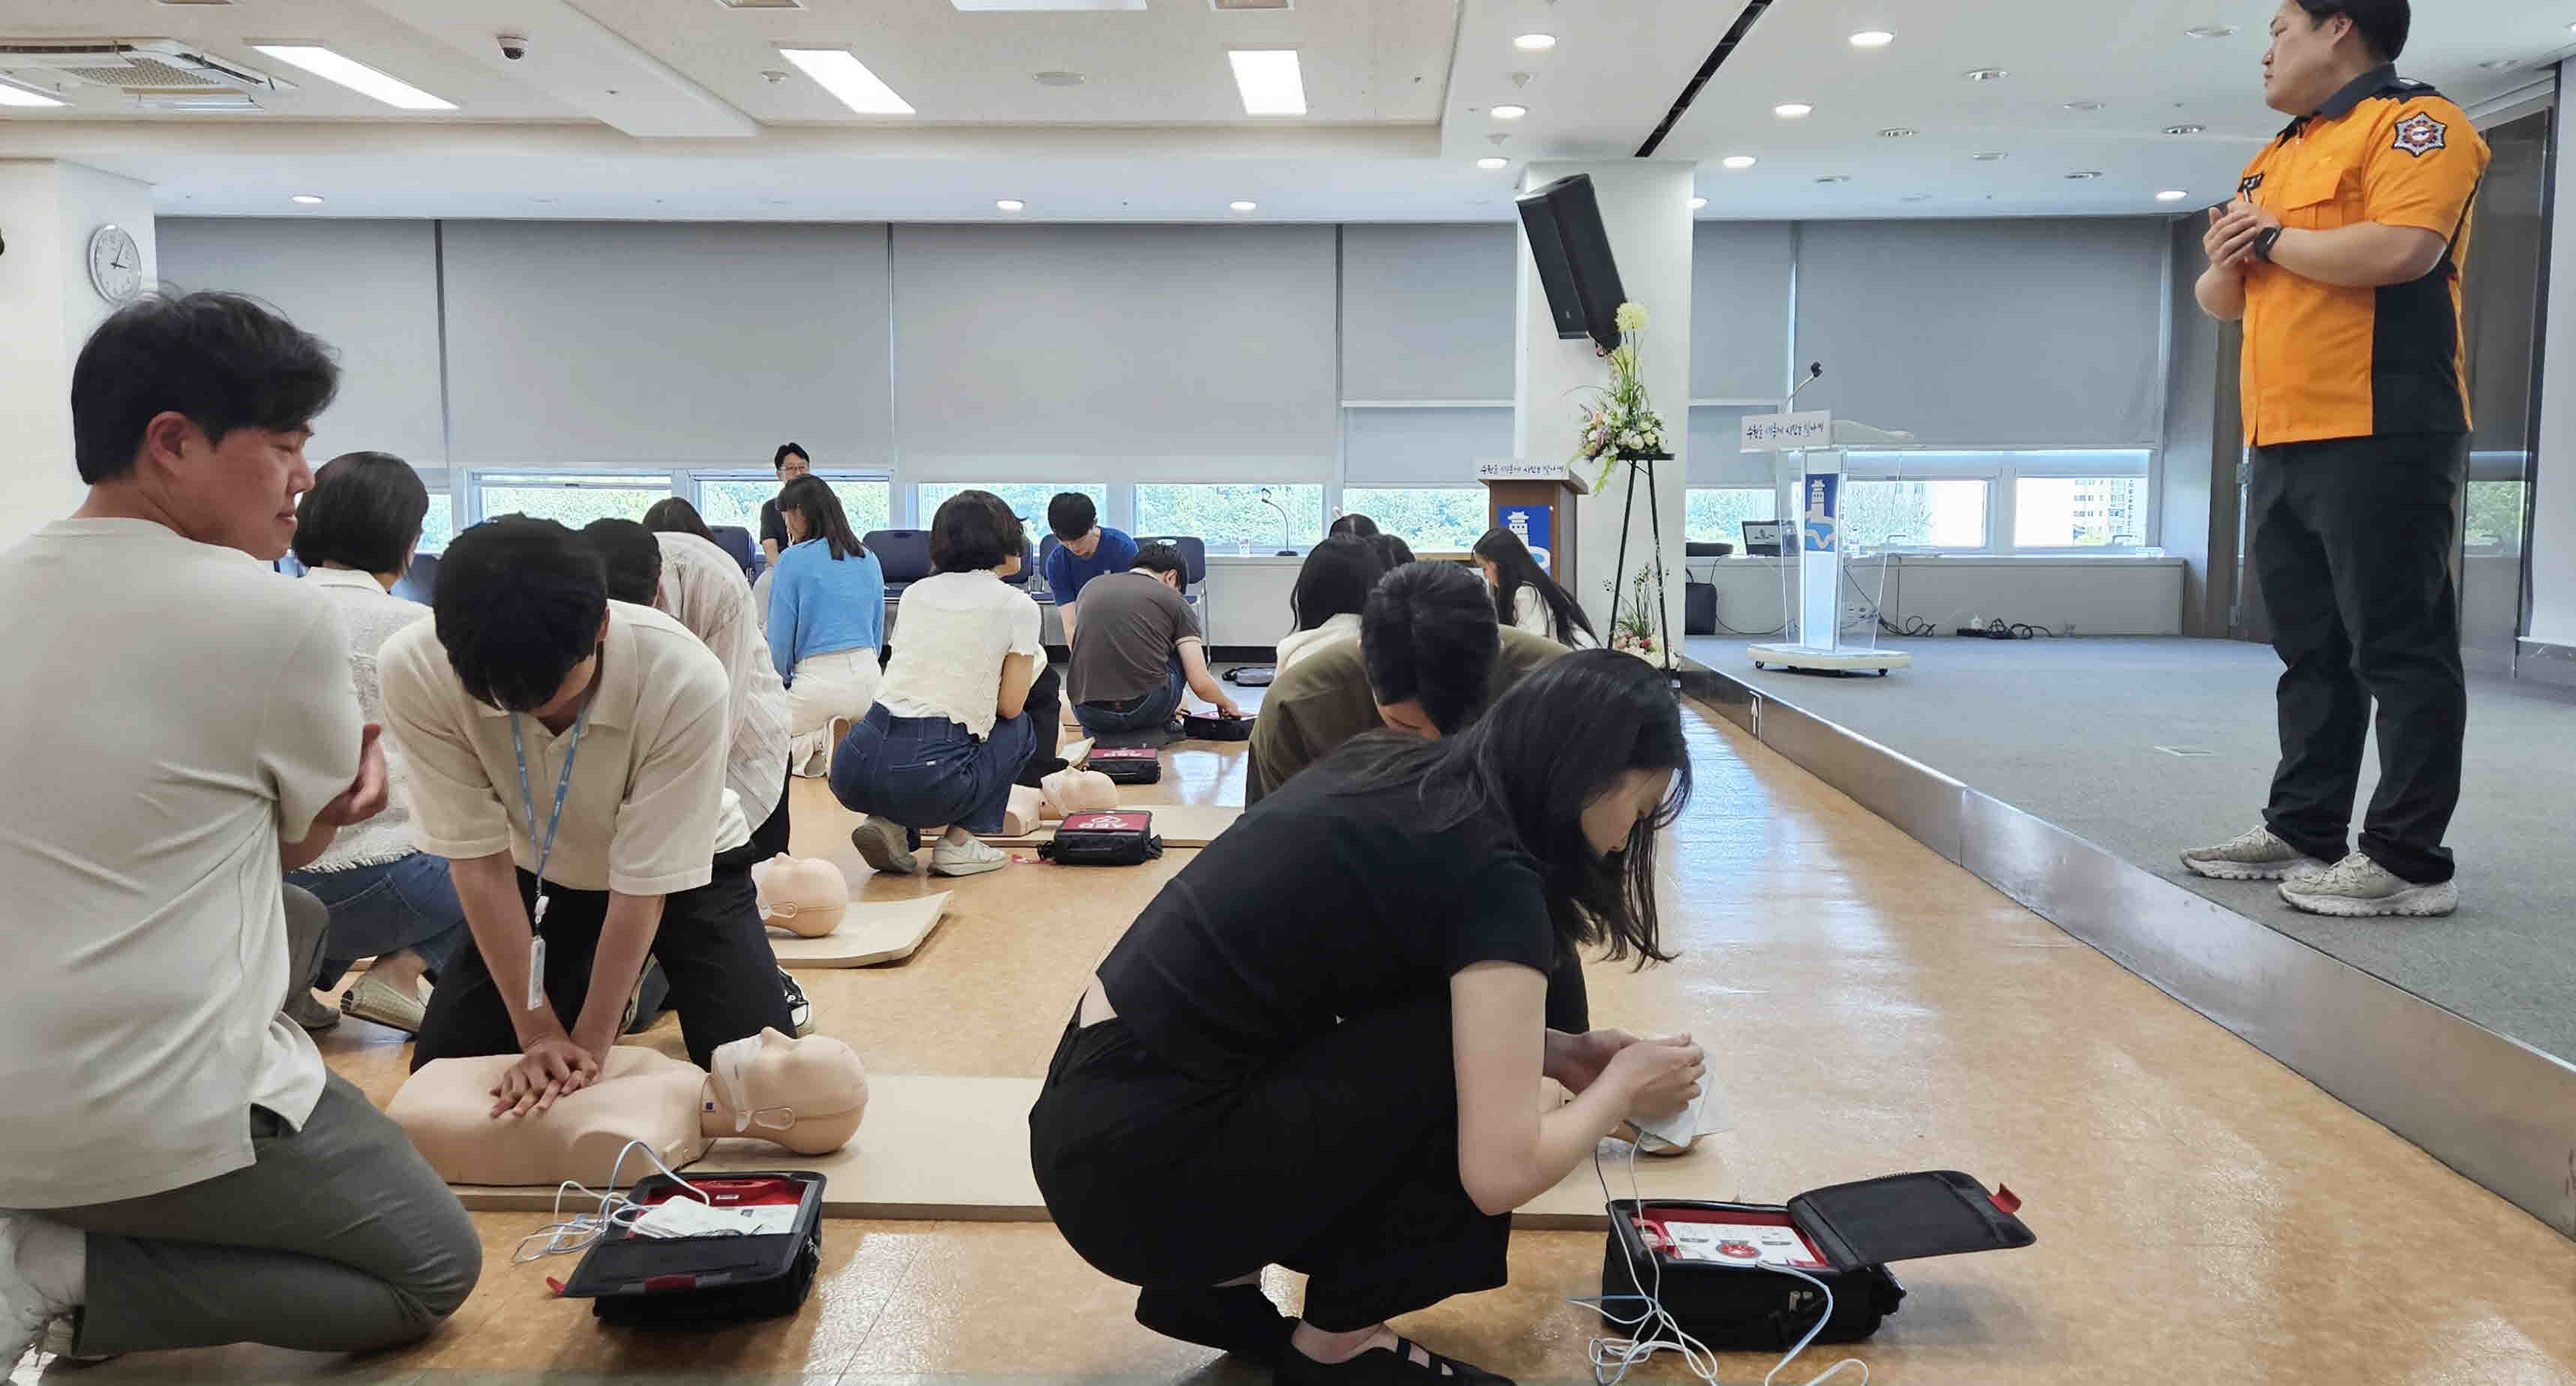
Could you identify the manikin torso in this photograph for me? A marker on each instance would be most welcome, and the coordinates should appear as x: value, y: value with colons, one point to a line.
x: 805, y: 1094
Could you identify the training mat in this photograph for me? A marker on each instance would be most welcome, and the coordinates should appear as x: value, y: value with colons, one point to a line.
x: 958, y: 1149
x: 873, y: 931
x: 1179, y: 825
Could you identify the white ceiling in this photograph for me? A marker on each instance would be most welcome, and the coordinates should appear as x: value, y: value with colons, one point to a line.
x: 658, y: 108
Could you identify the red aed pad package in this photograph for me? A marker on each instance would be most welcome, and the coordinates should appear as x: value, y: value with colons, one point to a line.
x: 748, y: 1250
x: 1729, y: 1273
x: 1127, y: 764
x: 1107, y: 837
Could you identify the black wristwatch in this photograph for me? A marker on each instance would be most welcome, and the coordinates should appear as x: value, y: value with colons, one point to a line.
x: 2264, y: 240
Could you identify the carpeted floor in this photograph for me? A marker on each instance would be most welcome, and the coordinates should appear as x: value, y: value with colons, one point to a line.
x: 2069, y: 730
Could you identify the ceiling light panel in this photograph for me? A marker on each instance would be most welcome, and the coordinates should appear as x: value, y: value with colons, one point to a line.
x: 1872, y: 38
x: 11, y: 94
x: 1510, y: 112
x: 1534, y: 43
x: 842, y: 74
x: 366, y: 81
x: 1738, y: 161
x: 1269, y: 80
x: 1492, y: 162
x: 1793, y: 110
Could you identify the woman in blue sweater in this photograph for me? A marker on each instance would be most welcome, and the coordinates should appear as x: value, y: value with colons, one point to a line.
x: 826, y: 619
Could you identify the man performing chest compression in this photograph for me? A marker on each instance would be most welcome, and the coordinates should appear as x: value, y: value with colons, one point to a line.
x: 2342, y: 255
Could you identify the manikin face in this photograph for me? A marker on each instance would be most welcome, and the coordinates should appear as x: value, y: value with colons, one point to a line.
x: 239, y: 493
x: 1630, y: 800
x: 2302, y: 67
x: 783, y: 1080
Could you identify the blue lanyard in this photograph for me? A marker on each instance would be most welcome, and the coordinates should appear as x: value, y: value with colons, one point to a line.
x: 527, y: 801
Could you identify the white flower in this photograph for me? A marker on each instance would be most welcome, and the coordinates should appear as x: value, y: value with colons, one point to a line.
x: 1632, y: 317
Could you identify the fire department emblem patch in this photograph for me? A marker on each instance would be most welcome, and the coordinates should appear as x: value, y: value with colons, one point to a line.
x: 2420, y: 134
x: 2247, y: 187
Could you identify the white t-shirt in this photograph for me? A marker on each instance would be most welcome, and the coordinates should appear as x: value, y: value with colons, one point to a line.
x: 1530, y: 613
x: 647, y: 809
x: 951, y: 632
x: 370, y: 615
x: 175, y: 711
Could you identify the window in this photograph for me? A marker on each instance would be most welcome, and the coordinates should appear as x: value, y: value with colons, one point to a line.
x: 2495, y: 511
x: 572, y: 500
x: 439, y: 525
x: 735, y: 499
x: 1430, y: 519
x: 1937, y: 514
x: 1717, y: 514
x: 1028, y: 500
x: 1234, y: 519
x: 2069, y: 512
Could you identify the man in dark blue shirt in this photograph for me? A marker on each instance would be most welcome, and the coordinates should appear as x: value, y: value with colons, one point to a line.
x: 1083, y: 551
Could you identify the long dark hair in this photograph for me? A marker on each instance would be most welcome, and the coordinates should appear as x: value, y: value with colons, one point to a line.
x: 676, y: 516
x: 1335, y: 580
x: 1515, y: 569
x: 1561, y: 738
x: 811, y: 497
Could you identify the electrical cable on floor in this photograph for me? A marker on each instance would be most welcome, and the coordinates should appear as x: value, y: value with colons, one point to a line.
x: 564, y: 1236
x: 1655, y: 1330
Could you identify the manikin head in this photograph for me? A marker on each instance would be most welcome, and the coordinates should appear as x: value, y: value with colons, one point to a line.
x: 1078, y: 791
x: 806, y: 896
x: 805, y: 1094
x: 2320, y: 45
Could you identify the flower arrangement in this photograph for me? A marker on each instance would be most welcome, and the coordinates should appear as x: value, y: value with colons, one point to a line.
x: 1633, y: 628
x: 1618, y: 420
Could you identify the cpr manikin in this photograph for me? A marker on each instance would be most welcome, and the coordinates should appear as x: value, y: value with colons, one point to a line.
x: 1065, y: 791
x: 806, y: 896
x: 805, y: 1094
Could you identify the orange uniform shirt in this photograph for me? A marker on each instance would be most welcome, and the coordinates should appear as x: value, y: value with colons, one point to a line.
x: 2323, y: 361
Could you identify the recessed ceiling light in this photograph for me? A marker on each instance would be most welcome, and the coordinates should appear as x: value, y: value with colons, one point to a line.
x: 14, y: 95
x: 848, y: 80
x: 1991, y: 156
x: 2499, y: 64
x: 1835, y: 178
x: 1509, y: 112
x: 1534, y: 43
x: 2172, y: 195
x: 1872, y: 38
x: 2185, y: 129
x: 1896, y: 132
x: 1985, y: 74
x: 1698, y: 202
x: 1009, y: 204
x: 2083, y: 105
x: 2212, y: 31
x: 1243, y: 206
x: 2084, y: 175
x: 355, y: 75
x: 306, y: 199
x: 1059, y: 78
x: 1270, y: 81
x: 1491, y: 162
x: 1739, y: 161
x: 1793, y: 110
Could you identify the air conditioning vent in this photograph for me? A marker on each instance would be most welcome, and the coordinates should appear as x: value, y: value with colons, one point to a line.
x: 1252, y: 4
x: 140, y: 68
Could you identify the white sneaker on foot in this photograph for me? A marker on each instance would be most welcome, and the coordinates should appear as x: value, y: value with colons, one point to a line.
x: 881, y: 846
x: 24, y: 1309
x: 2359, y: 888
x: 970, y: 859
x: 2256, y: 856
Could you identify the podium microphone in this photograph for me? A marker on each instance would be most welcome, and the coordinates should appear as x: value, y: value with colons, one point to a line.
x: 1815, y: 372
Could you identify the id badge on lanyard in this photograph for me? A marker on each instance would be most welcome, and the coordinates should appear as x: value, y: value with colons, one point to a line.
x: 545, y: 847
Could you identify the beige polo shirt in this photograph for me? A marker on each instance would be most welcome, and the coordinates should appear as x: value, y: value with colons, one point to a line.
x: 174, y: 710
x: 648, y: 808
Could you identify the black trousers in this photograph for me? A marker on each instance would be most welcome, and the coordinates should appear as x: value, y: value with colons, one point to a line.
x: 770, y: 838
x: 1340, y: 1162
x: 1045, y: 708
x: 2353, y: 541
x: 724, y: 979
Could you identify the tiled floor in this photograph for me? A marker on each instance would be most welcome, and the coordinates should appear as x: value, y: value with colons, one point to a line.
x: 2204, y: 1215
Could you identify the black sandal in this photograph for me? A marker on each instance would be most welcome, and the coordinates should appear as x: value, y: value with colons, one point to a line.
x: 1239, y: 1319
x: 1379, y: 1367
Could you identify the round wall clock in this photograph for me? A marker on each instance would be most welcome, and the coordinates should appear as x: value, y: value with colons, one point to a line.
x: 115, y: 264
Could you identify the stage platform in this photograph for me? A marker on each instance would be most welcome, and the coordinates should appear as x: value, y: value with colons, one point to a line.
x: 2071, y: 773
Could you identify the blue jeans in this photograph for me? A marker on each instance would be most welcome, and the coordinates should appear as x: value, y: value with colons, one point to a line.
x: 386, y: 908
x: 922, y: 772
x: 1152, y: 710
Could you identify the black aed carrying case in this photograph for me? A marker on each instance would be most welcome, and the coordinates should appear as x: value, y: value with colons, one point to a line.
x: 639, y: 1281
x: 1845, y: 1236
x: 1197, y: 728
x: 1127, y: 764
x: 1107, y: 837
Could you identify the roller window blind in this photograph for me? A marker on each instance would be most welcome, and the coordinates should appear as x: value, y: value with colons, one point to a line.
x: 1740, y: 277
x: 1427, y: 312
x: 1423, y: 447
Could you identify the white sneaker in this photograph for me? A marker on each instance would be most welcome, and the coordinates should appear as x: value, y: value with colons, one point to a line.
x: 24, y: 1311
x: 970, y: 859
x: 881, y: 846
x: 2256, y: 856
x: 2359, y: 888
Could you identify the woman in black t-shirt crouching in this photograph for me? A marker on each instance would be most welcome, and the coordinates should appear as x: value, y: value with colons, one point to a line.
x: 1320, y: 1045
